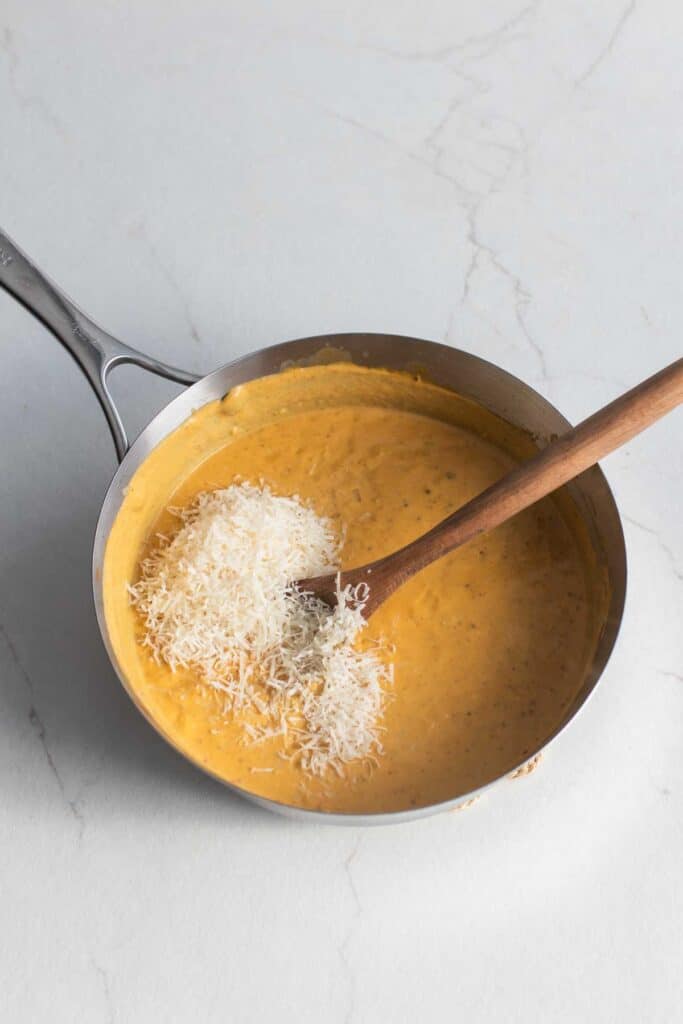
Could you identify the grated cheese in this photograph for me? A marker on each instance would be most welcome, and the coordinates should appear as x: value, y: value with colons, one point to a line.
x: 218, y: 598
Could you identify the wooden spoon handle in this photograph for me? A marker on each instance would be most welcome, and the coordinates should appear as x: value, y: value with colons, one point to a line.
x: 559, y: 462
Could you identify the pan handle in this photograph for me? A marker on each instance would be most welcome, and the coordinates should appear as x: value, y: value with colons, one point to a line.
x: 95, y: 351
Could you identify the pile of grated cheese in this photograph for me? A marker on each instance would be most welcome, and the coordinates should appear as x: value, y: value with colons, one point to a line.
x: 218, y: 598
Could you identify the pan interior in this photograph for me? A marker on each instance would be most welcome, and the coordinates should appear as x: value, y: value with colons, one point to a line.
x: 494, y: 643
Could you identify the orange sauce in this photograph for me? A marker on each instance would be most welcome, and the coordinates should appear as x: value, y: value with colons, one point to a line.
x: 491, y: 643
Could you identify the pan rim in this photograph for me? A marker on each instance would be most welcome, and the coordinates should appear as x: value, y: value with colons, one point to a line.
x: 180, y: 407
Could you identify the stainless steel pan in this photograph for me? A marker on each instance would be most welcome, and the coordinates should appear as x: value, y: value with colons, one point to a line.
x: 97, y: 353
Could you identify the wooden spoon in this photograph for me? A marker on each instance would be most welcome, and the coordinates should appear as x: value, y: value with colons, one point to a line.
x: 558, y: 463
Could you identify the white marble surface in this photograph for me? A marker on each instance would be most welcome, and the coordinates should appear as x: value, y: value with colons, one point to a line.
x: 209, y: 177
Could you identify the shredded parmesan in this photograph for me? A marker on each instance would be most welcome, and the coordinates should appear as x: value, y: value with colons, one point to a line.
x: 219, y: 599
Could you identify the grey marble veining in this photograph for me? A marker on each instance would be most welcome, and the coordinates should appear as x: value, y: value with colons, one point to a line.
x: 208, y: 178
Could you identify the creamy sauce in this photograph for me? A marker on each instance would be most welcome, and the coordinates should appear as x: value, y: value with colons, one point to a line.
x: 492, y: 642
